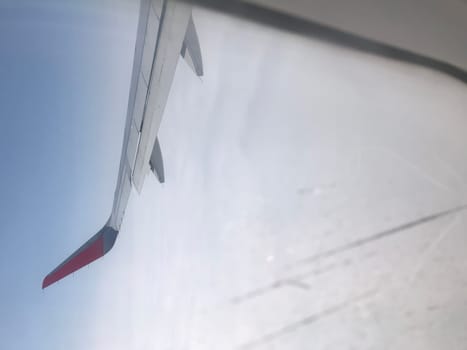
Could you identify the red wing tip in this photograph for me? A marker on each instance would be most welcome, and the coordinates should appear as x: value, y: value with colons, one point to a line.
x: 46, y: 282
x: 92, y: 251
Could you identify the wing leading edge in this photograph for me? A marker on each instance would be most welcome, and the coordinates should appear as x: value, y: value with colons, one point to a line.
x: 156, y: 42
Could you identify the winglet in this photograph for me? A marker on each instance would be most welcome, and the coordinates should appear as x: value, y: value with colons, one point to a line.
x: 96, y: 247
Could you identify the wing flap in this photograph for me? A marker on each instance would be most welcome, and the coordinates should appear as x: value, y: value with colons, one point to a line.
x: 191, y: 50
x: 156, y: 162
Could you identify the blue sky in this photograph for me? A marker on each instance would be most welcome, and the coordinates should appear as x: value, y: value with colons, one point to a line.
x: 65, y: 68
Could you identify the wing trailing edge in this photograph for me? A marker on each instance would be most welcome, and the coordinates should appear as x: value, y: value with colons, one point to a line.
x: 96, y: 247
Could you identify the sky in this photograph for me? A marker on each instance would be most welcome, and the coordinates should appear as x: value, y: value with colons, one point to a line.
x: 65, y: 70
x: 265, y: 168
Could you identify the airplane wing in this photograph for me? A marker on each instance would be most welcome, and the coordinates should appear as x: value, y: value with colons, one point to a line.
x: 165, y: 31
